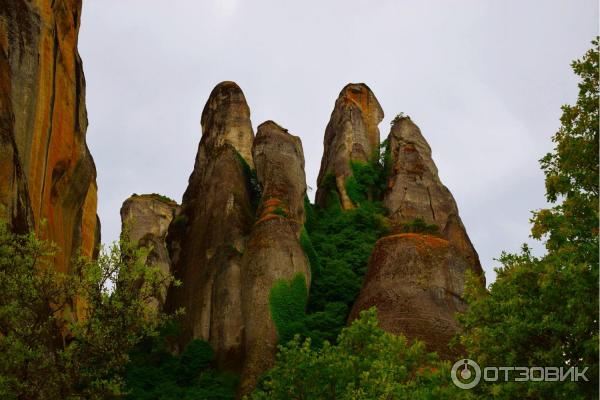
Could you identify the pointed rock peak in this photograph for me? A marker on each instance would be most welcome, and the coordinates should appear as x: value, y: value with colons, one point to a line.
x: 226, y: 119
x: 279, y: 161
x: 406, y: 131
x: 352, y: 134
x: 415, y: 191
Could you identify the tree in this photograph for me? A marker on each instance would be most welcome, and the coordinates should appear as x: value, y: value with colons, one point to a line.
x: 544, y: 311
x: 68, y: 335
x: 367, y: 363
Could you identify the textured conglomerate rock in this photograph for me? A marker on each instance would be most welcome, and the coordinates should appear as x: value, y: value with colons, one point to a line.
x: 47, y: 175
x: 208, y: 238
x: 416, y: 280
x: 273, y: 251
x: 352, y: 134
x: 146, y: 219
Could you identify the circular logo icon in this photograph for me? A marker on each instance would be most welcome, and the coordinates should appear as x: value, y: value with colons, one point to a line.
x: 462, y: 374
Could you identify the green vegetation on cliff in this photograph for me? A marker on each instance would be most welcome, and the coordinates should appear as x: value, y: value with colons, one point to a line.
x: 287, y: 301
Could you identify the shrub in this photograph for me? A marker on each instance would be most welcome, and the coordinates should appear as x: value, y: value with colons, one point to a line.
x: 163, y: 198
x: 252, y: 182
x: 154, y: 373
x: 418, y: 225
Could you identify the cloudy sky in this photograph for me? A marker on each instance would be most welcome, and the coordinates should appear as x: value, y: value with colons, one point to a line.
x: 484, y: 79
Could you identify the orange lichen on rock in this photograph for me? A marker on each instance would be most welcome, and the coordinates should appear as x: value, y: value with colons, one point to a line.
x: 268, y: 217
x: 432, y: 241
x: 272, y: 202
x: 416, y: 282
x: 49, y: 122
x: 352, y: 134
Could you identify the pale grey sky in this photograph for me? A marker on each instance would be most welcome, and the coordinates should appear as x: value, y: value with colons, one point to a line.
x: 484, y: 80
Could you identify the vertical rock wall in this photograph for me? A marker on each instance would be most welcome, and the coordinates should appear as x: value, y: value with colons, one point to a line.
x: 48, y: 175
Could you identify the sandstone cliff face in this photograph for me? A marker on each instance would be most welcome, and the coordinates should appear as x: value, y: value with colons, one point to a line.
x: 146, y: 219
x: 273, y: 251
x: 46, y: 170
x: 351, y: 135
x: 416, y: 280
x: 415, y: 189
x: 208, y: 239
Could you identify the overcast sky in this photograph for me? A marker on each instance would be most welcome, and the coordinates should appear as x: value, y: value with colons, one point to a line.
x: 484, y: 80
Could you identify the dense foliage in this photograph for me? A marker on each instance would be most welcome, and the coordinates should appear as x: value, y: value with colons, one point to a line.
x: 155, y: 373
x: 343, y: 242
x: 287, y: 302
x: 366, y: 363
x: 338, y: 244
x: 48, y: 351
x: 544, y: 311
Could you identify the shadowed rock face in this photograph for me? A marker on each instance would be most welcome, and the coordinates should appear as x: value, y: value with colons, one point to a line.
x: 146, y: 219
x: 273, y: 251
x: 415, y: 281
x: 415, y: 190
x: 46, y: 170
x: 208, y: 239
x: 351, y: 135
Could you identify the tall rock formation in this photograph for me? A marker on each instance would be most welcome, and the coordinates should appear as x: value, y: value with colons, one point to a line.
x: 416, y: 280
x: 351, y: 135
x: 146, y: 219
x: 273, y: 252
x: 415, y: 190
x: 208, y: 238
x: 227, y: 250
x: 46, y: 171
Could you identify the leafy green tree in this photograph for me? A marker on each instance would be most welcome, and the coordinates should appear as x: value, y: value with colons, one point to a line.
x: 50, y: 351
x: 155, y: 373
x: 367, y: 363
x: 544, y: 311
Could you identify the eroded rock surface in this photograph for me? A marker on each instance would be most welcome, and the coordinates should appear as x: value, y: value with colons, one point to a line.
x: 416, y: 282
x: 273, y: 251
x: 46, y: 171
x: 146, y: 219
x: 352, y: 134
